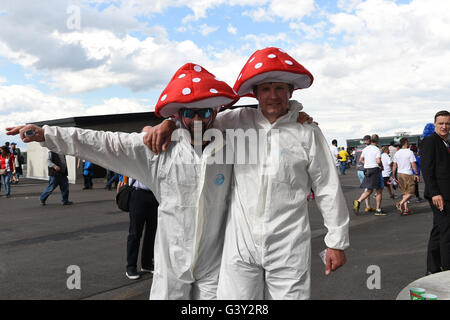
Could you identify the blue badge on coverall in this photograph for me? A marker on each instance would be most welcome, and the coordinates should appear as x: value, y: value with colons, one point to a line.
x: 219, y: 179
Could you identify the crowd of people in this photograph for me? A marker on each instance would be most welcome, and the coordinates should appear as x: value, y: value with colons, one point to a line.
x: 391, y: 167
x: 204, y: 246
x: 11, y: 161
x: 400, y: 166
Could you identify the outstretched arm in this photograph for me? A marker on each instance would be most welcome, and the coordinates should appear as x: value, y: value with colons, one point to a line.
x: 107, y: 149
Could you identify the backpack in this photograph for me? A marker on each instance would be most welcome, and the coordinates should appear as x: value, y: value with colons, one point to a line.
x: 123, y: 197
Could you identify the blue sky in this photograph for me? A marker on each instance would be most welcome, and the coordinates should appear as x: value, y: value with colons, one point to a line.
x: 378, y: 64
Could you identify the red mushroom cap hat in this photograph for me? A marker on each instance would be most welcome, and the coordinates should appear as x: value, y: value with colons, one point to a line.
x: 271, y: 65
x: 193, y: 86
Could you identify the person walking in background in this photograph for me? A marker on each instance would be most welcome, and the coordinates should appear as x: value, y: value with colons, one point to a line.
x: 18, y: 161
x: 143, y: 213
x: 343, y: 155
x: 371, y: 157
x: 335, y: 153
x: 88, y: 173
x: 7, y: 169
x: 415, y: 151
x: 387, y: 170
x: 360, y: 168
x: 392, y: 149
x: 353, y: 154
x: 435, y: 157
x: 112, y: 177
x: 427, y: 131
x: 405, y: 166
x: 57, y: 172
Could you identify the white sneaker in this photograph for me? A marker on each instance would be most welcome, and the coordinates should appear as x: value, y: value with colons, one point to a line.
x: 132, y: 275
x: 147, y: 270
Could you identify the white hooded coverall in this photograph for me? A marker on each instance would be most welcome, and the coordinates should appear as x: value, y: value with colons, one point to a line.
x: 267, y: 238
x: 192, y: 196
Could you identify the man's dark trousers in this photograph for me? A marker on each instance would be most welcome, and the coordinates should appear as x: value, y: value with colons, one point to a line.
x: 439, y: 244
x: 435, y: 165
x: 143, y: 212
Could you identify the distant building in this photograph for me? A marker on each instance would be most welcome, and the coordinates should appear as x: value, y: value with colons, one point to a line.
x: 385, y: 141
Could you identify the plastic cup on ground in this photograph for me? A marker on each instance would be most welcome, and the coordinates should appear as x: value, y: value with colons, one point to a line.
x: 416, y: 293
x: 429, y: 296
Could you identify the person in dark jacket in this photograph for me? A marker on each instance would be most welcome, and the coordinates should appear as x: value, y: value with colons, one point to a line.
x: 57, y: 171
x: 435, y: 157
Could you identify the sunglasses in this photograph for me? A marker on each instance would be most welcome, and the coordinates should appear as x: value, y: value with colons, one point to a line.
x: 202, y: 113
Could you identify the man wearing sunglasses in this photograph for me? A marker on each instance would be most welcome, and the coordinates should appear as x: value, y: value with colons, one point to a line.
x: 193, y: 195
x: 203, y: 117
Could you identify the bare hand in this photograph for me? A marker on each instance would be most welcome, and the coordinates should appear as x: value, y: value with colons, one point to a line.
x: 304, y: 117
x: 158, y: 138
x: 335, y: 259
x: 38, y: 133
x: 57, y: 168
x: 417, y: 178
x: 438, y: 202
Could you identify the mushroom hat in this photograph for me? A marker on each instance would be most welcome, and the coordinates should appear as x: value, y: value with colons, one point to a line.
x: 271, y: 65
x: 193, y: 86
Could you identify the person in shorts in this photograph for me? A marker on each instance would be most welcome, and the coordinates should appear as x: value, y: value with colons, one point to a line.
x: 406, y: 169
x: 371, y: 157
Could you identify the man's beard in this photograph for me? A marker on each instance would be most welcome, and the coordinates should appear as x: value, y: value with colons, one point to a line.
x: 197, y: 130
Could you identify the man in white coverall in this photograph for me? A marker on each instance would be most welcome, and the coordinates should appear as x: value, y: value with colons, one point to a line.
x: 191, y: 191
x: 267, y: 239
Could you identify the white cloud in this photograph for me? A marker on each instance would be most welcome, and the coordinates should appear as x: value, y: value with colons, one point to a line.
x: 25, y: 104
x: 310, y: 32
x: 259, y: 15
x: 22, y: 104
x: 126, y: 61
x: 231, y: 29
x: 291, y: 9
x: 348, y: 5
x: 265, y: 40
x: 117, y: 106
x: 282, y: 9
x: 3, y: 80
x: 205, y: 29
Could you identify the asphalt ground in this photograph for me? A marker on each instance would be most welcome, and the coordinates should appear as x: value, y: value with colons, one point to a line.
x: 40, y: 244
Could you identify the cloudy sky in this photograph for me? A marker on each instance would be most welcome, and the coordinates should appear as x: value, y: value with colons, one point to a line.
x: 380, y: 66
